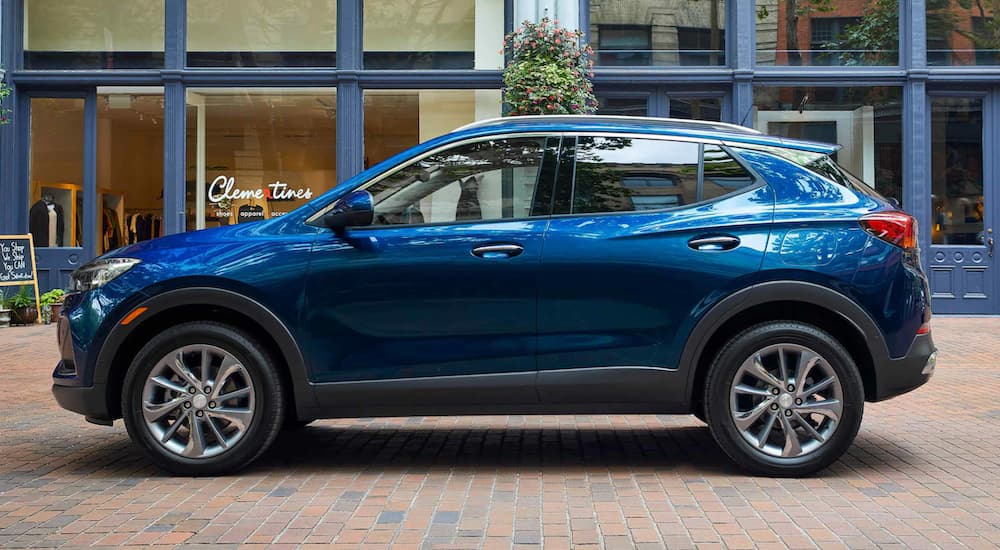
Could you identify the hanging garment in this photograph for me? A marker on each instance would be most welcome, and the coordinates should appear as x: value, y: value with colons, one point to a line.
x: 38, y: 224
x: 53, y: 224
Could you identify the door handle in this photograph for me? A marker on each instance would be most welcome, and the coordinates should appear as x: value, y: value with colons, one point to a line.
x: 498, y: 251
x: 989, y: 245
x: 714, y: 243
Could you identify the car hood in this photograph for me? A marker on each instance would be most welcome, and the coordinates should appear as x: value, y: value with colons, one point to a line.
x: 229, y: 234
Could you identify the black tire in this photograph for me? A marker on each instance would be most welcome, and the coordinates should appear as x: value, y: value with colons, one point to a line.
x: 268, y: 393
x: 699, y: 412
x: 718, y: 403
x: 294, y: 424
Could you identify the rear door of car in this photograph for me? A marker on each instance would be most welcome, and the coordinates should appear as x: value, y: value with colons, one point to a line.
x: 647, y: 234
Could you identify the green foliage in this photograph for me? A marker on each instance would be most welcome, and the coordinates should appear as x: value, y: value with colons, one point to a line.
x: 875, y: 39
x: 548, y: 71
x: 21, y: 300
x: 54, y: 296
x: 4, y: 112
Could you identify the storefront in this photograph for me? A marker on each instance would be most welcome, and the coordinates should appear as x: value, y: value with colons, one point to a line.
x: 162, y: 116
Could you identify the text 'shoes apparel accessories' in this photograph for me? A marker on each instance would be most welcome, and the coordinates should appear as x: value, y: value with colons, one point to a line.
x: 249, y: 213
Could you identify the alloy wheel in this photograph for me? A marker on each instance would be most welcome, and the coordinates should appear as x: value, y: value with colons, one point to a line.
x: 198, y: 401
x: 786, y: 400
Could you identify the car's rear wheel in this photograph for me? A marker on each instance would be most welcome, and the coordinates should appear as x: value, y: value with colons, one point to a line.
x: 203, y: 398
x: 784, y: 399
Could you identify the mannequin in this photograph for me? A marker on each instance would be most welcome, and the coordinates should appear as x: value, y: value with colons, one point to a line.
x: 46, y: 222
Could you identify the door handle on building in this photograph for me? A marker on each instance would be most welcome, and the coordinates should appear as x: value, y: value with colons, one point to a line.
x: 989, y: 241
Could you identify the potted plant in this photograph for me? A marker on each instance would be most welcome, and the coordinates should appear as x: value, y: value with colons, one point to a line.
x: 22, y: 308
x: 4, y: 312
x: 51, y: 303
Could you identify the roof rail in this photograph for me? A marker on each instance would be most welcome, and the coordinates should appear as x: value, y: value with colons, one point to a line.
x: 707, y: 124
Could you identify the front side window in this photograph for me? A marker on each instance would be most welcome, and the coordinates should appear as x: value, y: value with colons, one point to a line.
x: 486, y: 180
x: 621, y: 174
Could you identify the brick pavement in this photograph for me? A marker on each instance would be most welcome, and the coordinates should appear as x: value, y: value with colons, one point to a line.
x: 924, y: 472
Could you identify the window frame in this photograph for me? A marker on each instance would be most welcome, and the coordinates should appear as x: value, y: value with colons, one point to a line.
x: 569, y: 141
x: 316, y: 218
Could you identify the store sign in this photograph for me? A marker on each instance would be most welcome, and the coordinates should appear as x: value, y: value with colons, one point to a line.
x: 16, y: 265
x: 224, y: 188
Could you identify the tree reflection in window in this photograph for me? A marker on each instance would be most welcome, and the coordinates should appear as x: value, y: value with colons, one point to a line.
x: 485, y: 180
x: 626, y: 174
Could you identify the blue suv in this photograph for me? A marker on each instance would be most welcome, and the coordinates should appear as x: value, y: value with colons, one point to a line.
x: 528, y: 265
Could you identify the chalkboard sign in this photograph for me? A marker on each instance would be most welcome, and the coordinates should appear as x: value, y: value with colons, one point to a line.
x: 17, y: 264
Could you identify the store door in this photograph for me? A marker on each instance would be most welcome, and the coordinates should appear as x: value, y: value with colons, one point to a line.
x: 963, y: 176
x: 58, y: 183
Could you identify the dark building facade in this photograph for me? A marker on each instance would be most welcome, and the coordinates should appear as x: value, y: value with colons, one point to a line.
x: 148, y: 117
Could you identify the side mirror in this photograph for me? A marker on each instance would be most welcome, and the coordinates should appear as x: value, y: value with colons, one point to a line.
x: 352, y: 210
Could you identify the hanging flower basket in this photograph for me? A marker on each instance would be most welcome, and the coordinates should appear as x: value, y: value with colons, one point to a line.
x: 548, y: 71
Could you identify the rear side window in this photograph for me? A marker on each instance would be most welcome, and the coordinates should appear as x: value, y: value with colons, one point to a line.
x: 722, y: 174
x: 623, y: 174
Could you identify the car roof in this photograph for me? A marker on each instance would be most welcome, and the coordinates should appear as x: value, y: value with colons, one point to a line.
x: 722, y: 131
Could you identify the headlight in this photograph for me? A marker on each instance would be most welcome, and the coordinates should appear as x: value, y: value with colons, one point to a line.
x: 99, y: 273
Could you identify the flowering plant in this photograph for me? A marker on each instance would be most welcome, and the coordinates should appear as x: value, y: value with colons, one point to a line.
x: 548, y: 71
x: 4, y: 92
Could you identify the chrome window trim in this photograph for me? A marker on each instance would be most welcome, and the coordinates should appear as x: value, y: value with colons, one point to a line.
x: 533, y: 133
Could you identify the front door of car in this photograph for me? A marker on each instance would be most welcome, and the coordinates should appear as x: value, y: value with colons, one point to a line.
x: 654, y: 231
x: 441, y: 290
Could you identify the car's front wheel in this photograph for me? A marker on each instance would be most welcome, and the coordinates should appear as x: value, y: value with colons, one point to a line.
x: 203, y: 398
x: 784, y: 399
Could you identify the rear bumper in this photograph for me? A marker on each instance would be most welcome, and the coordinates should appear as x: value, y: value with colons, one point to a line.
x: 898, y: 376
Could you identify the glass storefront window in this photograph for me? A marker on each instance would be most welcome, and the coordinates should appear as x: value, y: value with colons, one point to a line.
x: 129, y: 166
x: 93, y: 34
x: 658, y: 33
x: 262, y: 33
x: 865, y: 121
x: 623, y: 106
x: 962, y: 32
x: 257, y: 153
x: 707, y: 108
x: 433, y: 34
x: 396, y: 120
x: 957, y: 205
x: 55, y: 211
x: 824, y: 32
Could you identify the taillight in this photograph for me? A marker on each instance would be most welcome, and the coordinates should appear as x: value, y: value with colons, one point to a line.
x: 898, y: 228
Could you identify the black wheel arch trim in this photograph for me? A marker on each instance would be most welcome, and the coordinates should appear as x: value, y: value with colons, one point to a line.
x: 772, y: 292
x: 291, y: 354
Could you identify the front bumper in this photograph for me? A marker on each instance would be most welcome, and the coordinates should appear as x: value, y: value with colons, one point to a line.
x: 898, y: 376
x: 91, y: 401
x: 68, y: 387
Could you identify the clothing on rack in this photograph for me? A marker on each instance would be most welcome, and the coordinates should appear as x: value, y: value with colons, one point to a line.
x: 141, y: 227
x: 111, y: 230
